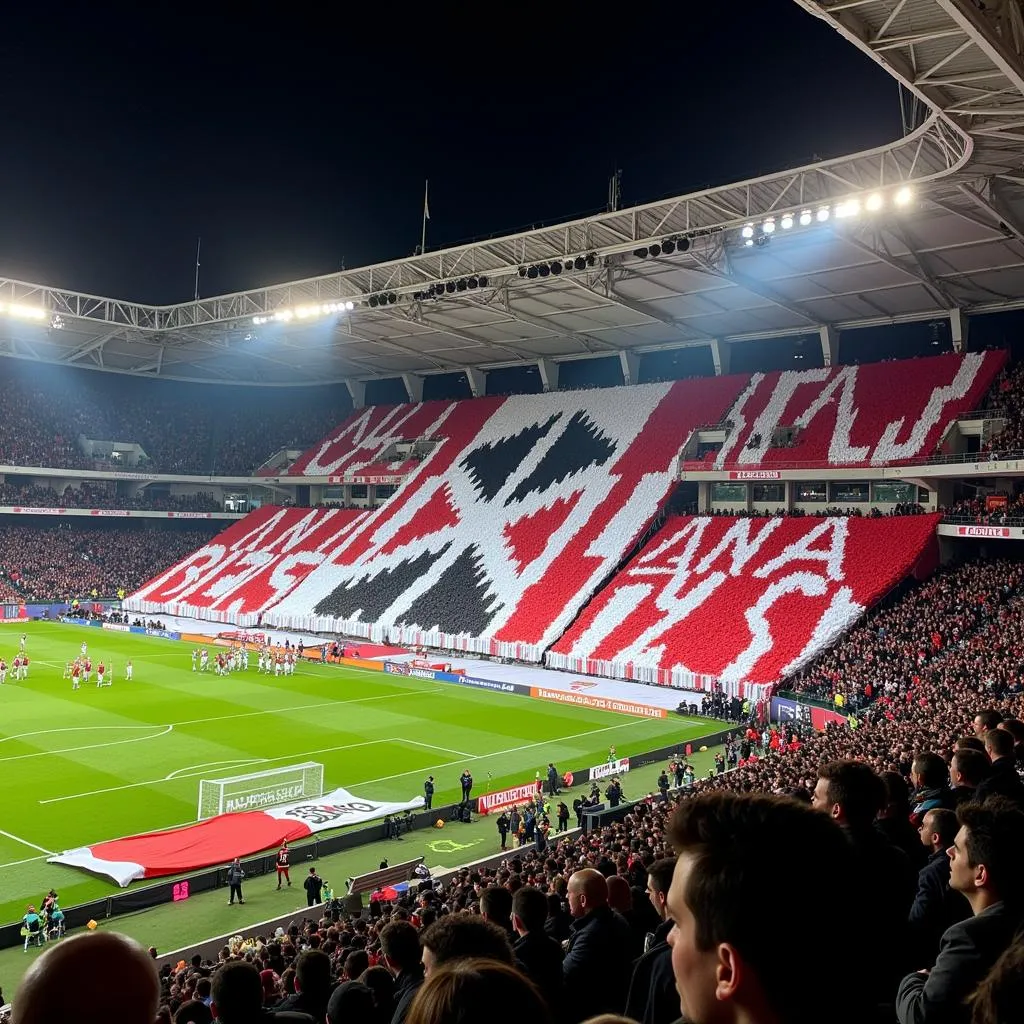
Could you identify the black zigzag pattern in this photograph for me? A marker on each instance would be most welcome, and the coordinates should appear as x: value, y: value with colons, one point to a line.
x: 460, y: 601
x: 581, y: 445
x: 491, y: 465
x: 369, y: 596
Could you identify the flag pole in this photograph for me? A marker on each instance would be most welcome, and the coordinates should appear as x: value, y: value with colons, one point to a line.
x: 426, y: 216
x: 199, y: 247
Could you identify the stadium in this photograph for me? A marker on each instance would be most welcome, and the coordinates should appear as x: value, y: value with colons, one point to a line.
x: 544, y: 547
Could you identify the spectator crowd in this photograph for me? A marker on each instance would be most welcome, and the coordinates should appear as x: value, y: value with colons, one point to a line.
x: 181, y: 428
x: 66, y: 561
x: 105, y: 496
x: 862, y: 874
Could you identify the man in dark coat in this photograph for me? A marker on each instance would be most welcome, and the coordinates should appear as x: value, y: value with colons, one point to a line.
x: 313, y: 885
x: 400, y: 944
x: 593, y: 969
x: 936, y: 906
x: 653, y: 997
x: 540, y: 955
x: 985, y: 866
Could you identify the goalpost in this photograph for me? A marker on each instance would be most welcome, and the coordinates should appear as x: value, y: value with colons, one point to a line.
x: 260, y: 789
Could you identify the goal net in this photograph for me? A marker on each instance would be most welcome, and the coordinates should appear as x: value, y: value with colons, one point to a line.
x: 260, y: 789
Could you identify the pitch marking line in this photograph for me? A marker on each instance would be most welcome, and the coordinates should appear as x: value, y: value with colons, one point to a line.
x: 238, y: 763
x: 25, y: 842
x: 352, y: 746
x: 89, y: 746
x: 27, y: 860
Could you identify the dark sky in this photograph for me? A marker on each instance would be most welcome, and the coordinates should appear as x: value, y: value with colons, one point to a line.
x: 294, y: 142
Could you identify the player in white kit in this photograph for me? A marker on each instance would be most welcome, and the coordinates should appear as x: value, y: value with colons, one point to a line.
x: 128, y: 671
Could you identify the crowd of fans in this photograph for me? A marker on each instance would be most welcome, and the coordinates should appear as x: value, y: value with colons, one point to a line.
x: 180, y: 429
x: 922, y: 631
x: 66, y: 561
x: 1007, y: 511
x: 903, y: 508
x: 105, y: 496
x: 1007, y: 395
x: 856, y: 874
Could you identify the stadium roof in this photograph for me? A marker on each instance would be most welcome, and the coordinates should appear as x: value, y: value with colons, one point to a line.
x: 955, y: 245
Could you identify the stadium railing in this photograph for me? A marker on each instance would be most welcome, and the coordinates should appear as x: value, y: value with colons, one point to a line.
x: 960, y: 458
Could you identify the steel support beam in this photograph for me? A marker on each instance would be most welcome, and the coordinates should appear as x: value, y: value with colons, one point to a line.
x: 477, y: 381
x: 721, y: 356
x: 958, y: 325
x: 357, y: 392
x: 630, y: 363
x: 829, y: 344
x: 413, y: 387
x: 548, y: 374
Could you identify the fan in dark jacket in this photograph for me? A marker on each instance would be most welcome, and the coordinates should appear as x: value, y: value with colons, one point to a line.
x: 653, y: 997
x: 985, y: 867
x: 595, y: 975
x: 400, y: 944
x: 1002, y: 779
x: 936, y: 906
x: 539, y: 955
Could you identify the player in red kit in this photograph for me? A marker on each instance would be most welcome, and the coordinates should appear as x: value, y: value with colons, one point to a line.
x: 282, y: 865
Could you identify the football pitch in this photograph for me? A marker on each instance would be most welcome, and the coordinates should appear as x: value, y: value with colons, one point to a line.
x: 83, y: 766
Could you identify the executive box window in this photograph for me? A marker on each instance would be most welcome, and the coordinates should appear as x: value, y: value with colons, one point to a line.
x: 769, y: 493
x: 843, y: 492
x: 894, y: 491
x: 812, y: 490
x: 729, y: 492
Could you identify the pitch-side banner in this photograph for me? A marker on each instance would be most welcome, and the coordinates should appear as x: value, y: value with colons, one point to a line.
x: 603, y: 771
x: 219, y: 840
x: 506, y: 798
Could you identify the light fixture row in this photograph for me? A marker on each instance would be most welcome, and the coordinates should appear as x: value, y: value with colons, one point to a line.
x: 304, y: 312
x: 844, y: 210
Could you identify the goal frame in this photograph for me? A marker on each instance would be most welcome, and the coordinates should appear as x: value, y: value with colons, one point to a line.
x: 259, y: 790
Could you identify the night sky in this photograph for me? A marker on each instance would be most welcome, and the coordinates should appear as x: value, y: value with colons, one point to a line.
x: 295, y: 144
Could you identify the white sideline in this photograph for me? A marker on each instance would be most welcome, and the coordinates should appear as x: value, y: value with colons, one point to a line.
x: 25, y: 842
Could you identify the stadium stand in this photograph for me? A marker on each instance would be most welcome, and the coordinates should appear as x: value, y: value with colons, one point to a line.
x: 180, y: 429
x: 105, y: 497
x: 266, y: 555
x: 746, y: 601
x: 65, y: 561
x: 880, y: 413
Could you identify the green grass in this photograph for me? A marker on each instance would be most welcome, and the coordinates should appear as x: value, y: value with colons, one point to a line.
x: 84, y: 766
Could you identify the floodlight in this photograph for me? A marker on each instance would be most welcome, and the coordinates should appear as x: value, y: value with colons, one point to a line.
x: 748, y: 231
x: 823, y: 214
x: 849, y: 208
x: 903, y: 196
x: 805, y: 218
x: 22, y: 312
x: 874, y: 202
x: 748, y: 241
x: 668, y: 246
x: 787, y: 221
x: 768, y: 226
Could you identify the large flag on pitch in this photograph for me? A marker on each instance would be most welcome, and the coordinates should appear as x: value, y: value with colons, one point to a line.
x: 219, y: 840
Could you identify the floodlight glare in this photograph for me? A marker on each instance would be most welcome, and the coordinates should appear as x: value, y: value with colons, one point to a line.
x: 748, y: 231
x: 874, y: 202
x: 768, y: 226
x: 823, y: 214
x: 787, y: 221
x: 805, y: 218
x: 903, y: 196
x: 21, y: 311
x: 850, y: 208
x: 748, y: 241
